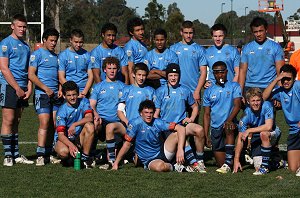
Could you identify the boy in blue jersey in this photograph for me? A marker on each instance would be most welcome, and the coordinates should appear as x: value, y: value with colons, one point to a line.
x: 155, y: 155
x: 43, y: 72
x: 74, y: 64
x: 258, y: 121
x: 221, y: 102
x: 158, y: 59
x: 107, y: 48
x: 134, y: 94
x: 192, y: 60
x: 75, y: 128
x: 171, y: 101
x: 261, y: 59
x: 15, y: 89
x: 289, y: 96
x: 135, y: 48
x: 222, y: 52
x: 104, y: 101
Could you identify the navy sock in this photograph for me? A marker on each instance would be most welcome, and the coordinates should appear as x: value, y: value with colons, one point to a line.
x: 15, y: 145
x: 6, y: 141
x: 265, y: 152
x: 84, y: 157
x: 111, y: 145
x: 229, y: 150
x: 189, y: 155
x: 199, y: 156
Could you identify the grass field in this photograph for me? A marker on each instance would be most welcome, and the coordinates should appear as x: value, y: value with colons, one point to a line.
x: 57, y: 181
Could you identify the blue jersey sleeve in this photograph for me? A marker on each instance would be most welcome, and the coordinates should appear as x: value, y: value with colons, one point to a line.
x: 162, y: 125
x: 243, y: 124
x: 61, y: 119
x: 95, y: 91
x: 129, y: 51
x: 206, y: 100
x: 35, y: 59
x: 5, y: 49
x: 237, y: 92
x: 62, y: 61
x: 123, y: 58
x: 159, y: 97
x: 95, y: 60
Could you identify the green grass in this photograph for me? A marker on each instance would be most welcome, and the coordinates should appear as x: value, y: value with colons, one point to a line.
x: 57, y: 181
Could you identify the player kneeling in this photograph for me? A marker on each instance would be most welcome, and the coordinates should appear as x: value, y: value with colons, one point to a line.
x: 75, y: 128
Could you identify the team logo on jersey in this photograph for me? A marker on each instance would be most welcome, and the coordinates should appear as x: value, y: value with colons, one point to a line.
x: 120, y: 94
x: 58, y: 118
x: 76, y: 57
x: 50, y: 55
x: 4, y: 48
x: 177, y: 52
x: 130, y: 127
x: 139, y: 92
x: 46, y: 59
x: 32, y: 57
x: 227, y: 54
x: 241, y: 123
x: 269, y: 52
x: 129, y: 52
x: 146, y: 62
x: 252, y: 52
x: 131, y: 96
x: 103, y: 91
x: 228, y: 94
x: 211, y: 56
x: 92, y: 59
x: 213, y: 97
x: 111, y: 87
x: 70, y: 61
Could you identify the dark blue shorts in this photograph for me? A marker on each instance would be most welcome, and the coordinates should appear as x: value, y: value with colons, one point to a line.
x: 293, y: 141
x: 44, y: 104
x: 9, y: 98
x: 217, y: 136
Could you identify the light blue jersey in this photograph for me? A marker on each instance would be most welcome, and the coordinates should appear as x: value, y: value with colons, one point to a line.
x: 46, y: 65
x: 172, y: 102
x: 135, y: 51
x: 228, y: 54
x: 98, y: 55
x: 132, y: 96
x: 147, y: 137
x: 220, y: 100
x: 190, y: 57
x: 18, y: 53
x: 75, y: 65
x: 67, y: 115
x: 290, y: 102
x: 160, y: 61
x: 261, y: 62
x: 107, y: 96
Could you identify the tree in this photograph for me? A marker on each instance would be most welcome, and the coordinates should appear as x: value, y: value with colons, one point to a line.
x: 202, y: 31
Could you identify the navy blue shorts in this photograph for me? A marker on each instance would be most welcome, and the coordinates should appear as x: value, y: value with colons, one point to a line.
x: 217, y: 136
x: 256, y: 145
x: 44, y: 104
x: 293, y: 141
x: 9, y: 98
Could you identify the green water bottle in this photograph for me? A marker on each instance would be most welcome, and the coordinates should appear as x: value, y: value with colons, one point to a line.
x: 77, y: 163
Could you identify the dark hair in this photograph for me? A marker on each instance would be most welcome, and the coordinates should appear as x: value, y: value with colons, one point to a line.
x: 69, y: 86
x: 111, y: 60
x: 187, y: 24
x: 109, y: 26
x: 219, y: 63
x: 218, y: 26
x: 140, y: 66
x: 160, y: 31
x: 172, y: 68
x: 50, y: 32
x: 289, y: 69
x: 258, y: 21
x: 146, y: 104
x: 77, y: 32
x: 133, y: 22
x: 19, y: 17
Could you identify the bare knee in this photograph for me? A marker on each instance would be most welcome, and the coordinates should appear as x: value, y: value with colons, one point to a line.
x: 89, y: 129
x: 160, y: 167
x: 62, y: 151
x: 265, y: 136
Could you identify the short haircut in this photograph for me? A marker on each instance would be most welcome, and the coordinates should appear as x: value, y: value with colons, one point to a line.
x: 289, y: 69
x: 140, y: 66
x: 110, y: 60
x: 19, y: 17
x: 219, y: 63
x: 146, y: 104
x: 77, y: 32
x: 187, y: 24
x: 160, y: 31
x: 258, y: 21
x: 69, y: 86
x: 253, y: 91
x: 109, y: 26
x: 50, y: 32
x: 133, y: 22
x: 218, y: 26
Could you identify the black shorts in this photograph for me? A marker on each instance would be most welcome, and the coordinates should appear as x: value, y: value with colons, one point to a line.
x: 102, y: 132
x: 9, y: 98
x: 293, y: 141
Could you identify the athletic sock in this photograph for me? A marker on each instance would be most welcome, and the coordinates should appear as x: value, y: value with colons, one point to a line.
x: 189, y: 155
x: 229, y: 150
x: 6, y: 141
x: 15, y: 145
x: 48, y: 151
x: 84, y: 157
x: 199, y: 156
x: 265, y: 152
x: 40, y: 151
x: 111, y: 145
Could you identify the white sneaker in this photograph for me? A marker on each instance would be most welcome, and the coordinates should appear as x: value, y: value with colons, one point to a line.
x: 298, y: 172
x: 179, y: 168
x: 195, y: 168
x: 40, y: 161
x: 23, y: 160
x: 248, y: 159
x: 201, y: 166
x: 106, y: 166
x: 224, y: 169
x: 8, y: 161
x: 54, y: 160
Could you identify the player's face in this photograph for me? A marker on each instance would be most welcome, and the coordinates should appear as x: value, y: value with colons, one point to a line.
x: 220, y: 73
x: 160, y: 42
x: 109, y: 38
x: 260, y: 33
x: 71, y: 97
x: 50, y: 43
x: 140, y: 77
x: 111, y: 71
x: 173, y: 79
x: 218, y: 37
x: 138, y: 33
x: 287, y: 81
x: 76, y: 43
x: 187, y: 35
x: 255, y: 103
x: 147, y: 115
x: 19, y: 28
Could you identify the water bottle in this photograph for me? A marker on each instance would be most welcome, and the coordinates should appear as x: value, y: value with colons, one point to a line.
x: 77, y: 163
